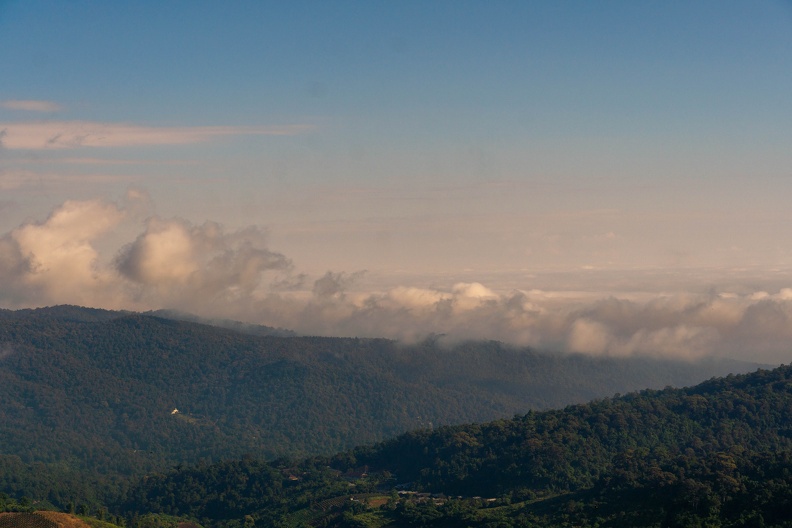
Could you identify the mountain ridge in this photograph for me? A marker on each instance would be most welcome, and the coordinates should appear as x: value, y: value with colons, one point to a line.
x: 90, y: 392
x: 715, y: 454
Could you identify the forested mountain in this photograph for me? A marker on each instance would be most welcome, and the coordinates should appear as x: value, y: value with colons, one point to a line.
x: 91, y: 398
x: 99, y: 390
x: 718, y: 454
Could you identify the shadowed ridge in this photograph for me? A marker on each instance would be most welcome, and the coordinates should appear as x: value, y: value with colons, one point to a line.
x: 68, y: 312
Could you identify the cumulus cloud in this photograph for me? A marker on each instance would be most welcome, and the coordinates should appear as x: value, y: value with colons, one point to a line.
x: 680, y: 326
x: 31, y: 105
x: 56, y: 259
x: 173, y: 261
x: 333, y: 285
x: 216, y: 272
x: 50, y: 135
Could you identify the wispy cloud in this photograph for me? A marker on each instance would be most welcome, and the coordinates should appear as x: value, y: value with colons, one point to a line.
x: 31, y: 105
x: 11, y: 179
x: 43, y: 135
x: 107, y: 161
x: 56, y: 160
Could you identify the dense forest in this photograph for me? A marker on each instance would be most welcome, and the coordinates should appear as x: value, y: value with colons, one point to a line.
x: 717, y: 454
x: 122, y: 393
x: 87, y: 427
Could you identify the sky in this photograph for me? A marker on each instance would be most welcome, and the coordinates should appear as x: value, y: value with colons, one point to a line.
x: 599, y: 177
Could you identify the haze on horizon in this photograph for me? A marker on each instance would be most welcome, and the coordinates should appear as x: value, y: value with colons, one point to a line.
x: 608, y: 178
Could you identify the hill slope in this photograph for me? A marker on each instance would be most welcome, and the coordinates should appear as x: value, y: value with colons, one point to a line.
x: 96, y: 390
x: 718, y: 454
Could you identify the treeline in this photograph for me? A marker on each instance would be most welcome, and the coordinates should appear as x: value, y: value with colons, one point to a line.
x: 569, y: 449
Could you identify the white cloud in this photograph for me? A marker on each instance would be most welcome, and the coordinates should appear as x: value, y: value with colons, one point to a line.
x: 589, y: 337
x: 176, y: 264
x: 473, y: 290
x: 785, y: 294
x: 211, y: 271
x: 333, y: 285
x: 470, y: 295
x: 165, y: 254
x: 31, y: 105
x: 42, y: 135
x: 56, y: 259
x: 414, y: 298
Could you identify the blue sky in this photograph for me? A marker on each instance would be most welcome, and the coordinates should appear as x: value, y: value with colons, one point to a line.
x: 594, y: 147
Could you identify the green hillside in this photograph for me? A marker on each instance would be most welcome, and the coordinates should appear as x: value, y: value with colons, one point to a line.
x: 718, y: 454
x: 97, y: 390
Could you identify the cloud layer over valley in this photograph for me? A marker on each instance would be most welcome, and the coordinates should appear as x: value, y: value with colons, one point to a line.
x: 211, y: 271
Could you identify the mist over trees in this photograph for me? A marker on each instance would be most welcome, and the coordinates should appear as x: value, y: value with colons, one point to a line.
x: 224, y: 273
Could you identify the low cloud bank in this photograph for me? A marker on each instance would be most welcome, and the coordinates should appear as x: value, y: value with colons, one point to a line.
x: 214, y: 272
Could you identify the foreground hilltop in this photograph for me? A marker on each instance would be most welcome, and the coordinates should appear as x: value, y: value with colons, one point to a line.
x: 717, y: 454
